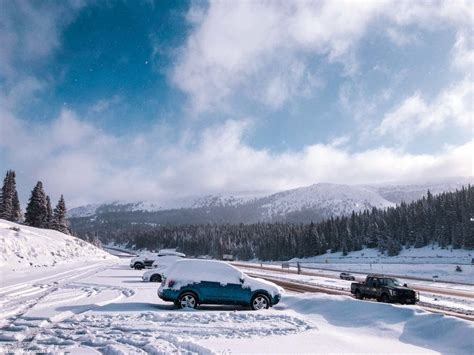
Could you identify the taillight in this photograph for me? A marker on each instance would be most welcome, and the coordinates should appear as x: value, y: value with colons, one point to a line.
x: 171, y: 283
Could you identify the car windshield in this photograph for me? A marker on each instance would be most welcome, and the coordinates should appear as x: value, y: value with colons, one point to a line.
x: 392, y: 282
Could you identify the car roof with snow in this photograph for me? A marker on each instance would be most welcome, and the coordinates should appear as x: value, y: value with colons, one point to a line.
x: 195, y: 270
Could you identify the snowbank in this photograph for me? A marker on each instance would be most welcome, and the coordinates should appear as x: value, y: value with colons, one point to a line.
x: 24, y: 247
x: 410, y: 325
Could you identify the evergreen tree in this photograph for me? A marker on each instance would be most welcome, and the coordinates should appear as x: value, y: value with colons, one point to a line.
x: 9, y: 203
x: 16, y: 212
x: 37, y: 210
x: 59, y: 217
x: 49, y: 213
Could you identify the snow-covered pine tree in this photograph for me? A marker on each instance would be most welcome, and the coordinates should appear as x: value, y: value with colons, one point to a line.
x: 7, y: 197
x: 37, y: 210
x: 9, y: 203
x: 16, y: 212
x: 49, y: 213
x: 59, y: 218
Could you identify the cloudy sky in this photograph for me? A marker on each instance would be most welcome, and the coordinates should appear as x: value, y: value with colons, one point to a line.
x: 147, y: 100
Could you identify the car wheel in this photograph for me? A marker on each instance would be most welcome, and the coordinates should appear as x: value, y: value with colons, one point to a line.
x: 260, y: 301
x: 138, y: 266
x: 187, y: 301
x: 358, y: 295
x: 385, y: 298
x: 155, y: 278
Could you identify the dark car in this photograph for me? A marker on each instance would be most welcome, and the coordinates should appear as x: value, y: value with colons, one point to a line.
x: 346, y: 276
x: 188, y: 283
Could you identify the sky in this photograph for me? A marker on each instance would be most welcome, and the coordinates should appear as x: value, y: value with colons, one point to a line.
x: 157, y: 100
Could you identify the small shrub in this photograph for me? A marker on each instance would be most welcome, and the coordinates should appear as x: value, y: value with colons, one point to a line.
x: 16, y: 229
x: 458, y: 268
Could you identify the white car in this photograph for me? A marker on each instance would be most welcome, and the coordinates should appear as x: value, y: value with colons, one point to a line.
x: 147, y: 260
x: 159, y: 267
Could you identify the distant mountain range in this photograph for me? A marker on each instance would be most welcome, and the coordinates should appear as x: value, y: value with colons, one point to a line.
x: 305, y: 204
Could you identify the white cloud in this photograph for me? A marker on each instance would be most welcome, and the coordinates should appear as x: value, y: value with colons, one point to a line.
x: 245, y: 48
x: 88, y: 165
x: 452, y: 107
x: 30, y: 31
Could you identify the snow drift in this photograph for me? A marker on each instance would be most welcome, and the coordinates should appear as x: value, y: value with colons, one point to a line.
x: 23, y: 247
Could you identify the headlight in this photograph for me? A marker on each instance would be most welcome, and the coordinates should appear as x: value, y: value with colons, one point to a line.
x: 393, y: 292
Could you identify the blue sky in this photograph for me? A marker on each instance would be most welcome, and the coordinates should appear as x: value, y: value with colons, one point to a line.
x: 135, y: 100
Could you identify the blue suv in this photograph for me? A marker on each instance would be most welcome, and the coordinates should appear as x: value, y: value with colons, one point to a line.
x: 188, y: 283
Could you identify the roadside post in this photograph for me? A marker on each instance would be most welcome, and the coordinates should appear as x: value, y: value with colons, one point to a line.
x: 299, y: 267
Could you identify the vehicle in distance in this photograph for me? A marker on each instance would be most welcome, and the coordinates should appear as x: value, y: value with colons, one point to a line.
x: 189, y: 283
x: 147, y: 260
x: 159, y: 267
x: 384, y: 289
x: 346, y: 276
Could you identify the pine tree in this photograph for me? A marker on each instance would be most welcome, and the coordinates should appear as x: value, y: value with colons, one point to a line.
x: 59, y: 217
x: 37, y: 210
x: 7, y: 196
x: 49, y: 213
x: 16, y: 212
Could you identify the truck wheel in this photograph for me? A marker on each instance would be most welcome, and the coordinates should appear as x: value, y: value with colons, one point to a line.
x: 385, y: 298
x: 138, y: 266
x: 155, y: 278
x: 358, y: 295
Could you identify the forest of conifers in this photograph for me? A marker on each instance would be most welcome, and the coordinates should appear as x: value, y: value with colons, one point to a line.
x: 443, y: 220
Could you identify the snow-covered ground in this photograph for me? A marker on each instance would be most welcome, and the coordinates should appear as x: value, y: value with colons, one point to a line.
x: 106, y: 308
x: 424, y: 262
x: 25, y: 247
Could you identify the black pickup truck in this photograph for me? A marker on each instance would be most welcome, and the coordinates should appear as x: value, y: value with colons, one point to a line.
x: 384, y: 289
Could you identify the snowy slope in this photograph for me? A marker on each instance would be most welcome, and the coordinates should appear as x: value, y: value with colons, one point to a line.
x: 35, y: 247
x: 110, y: 311
x: 334, y: 199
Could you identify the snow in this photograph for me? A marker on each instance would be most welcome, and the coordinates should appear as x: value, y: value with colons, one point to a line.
x: 423, y: 262
x: 25, y: 247
x: 338, y: 199
x: 105, y: 308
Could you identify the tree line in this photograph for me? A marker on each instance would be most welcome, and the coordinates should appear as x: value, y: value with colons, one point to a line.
x: 443, y: 220
x: 39, y: 212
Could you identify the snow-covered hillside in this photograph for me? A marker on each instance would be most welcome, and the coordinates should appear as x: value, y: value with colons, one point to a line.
x: 23, y: 247
x: 334, y: 199
x: 304, y: 204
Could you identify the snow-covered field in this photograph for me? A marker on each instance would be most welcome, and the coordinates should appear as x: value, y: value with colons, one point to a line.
x: 106, y: 308
x: 424, y: 262
x: 59, y: 294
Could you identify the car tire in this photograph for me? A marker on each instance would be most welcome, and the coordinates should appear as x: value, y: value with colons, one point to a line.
x: 187, y: 300
x: 358, y: 295
x: 260, y: 301
x: 138, y: 266
x: 384, y: 298
x: 155, y: 278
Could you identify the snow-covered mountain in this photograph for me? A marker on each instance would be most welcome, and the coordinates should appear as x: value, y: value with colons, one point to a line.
x: 24, y: 247
x: 330, y: 199
x: 304, y: 204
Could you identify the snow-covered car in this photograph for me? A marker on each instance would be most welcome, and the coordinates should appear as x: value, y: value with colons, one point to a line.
x: 188, y: 283
x: 159, y: 267
x: 146, y: 260
x: 346, y: 276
